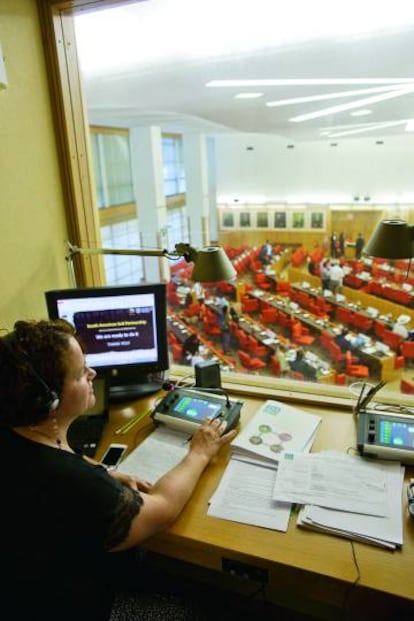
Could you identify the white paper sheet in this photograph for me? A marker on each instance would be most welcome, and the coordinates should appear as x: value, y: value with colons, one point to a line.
x: 344, y: 482
x: 160, y: 452
x: 245, y: 495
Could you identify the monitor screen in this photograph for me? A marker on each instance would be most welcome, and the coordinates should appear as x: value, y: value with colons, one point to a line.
x: 123, y: 331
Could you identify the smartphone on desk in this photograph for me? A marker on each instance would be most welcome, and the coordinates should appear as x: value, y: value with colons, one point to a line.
x: 113, y: 455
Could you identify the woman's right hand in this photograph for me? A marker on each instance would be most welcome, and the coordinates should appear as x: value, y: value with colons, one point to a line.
x: 210, y: 437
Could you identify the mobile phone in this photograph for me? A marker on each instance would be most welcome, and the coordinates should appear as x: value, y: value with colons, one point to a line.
x: 113, y: 455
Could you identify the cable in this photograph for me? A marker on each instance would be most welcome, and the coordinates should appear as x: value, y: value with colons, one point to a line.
x: 352, y: 586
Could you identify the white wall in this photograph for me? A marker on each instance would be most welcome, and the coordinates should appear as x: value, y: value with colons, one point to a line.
x: 314, y: 172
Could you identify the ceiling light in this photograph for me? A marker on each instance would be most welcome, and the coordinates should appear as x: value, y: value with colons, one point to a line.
x: 353, y: 104
x: 364, y: 112
x: 248, y: 95
x: 307, y: 82
x: 336, y: 95
x: 410, y: 125
x: 365, y: 127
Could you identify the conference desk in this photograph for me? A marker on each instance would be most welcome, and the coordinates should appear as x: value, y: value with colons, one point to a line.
x: 307, y: 571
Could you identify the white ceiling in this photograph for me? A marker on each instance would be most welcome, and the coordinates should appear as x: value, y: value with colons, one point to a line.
x: 169, y: 88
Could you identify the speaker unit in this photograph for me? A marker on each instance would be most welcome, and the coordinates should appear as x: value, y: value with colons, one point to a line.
x: 207, y: 374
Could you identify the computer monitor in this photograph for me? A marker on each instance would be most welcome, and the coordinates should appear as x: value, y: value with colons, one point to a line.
x: 123, y: 330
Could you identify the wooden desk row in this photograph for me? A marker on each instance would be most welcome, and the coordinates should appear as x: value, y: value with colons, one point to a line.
x: 315, y: 573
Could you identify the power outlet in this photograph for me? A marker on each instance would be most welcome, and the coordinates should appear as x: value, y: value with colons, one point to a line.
x: 243, y: 570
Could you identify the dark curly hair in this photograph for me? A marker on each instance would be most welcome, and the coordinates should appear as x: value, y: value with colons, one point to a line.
x: 33, y: 348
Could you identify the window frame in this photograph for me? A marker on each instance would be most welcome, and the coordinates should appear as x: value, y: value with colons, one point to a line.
x: 71, y: 124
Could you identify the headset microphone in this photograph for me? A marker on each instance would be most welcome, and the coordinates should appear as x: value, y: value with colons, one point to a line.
x: 48, y: 400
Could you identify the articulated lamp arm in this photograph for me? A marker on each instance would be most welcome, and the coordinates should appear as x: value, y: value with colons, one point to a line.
x: 211, y: 264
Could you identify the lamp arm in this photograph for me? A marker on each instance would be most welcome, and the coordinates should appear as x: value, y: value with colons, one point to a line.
x: 181, y: 250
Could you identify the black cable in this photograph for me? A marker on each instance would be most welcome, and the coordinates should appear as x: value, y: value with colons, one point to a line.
x: 353, y: 584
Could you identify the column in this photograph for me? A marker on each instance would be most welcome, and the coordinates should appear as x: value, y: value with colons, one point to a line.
x: 147, y: 177
x: 197, y: 192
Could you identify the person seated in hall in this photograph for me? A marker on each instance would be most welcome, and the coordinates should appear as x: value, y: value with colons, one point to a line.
x: 400, y: 326
x: 190, y: 348
x: 301, y: 366
x: 344, y: 341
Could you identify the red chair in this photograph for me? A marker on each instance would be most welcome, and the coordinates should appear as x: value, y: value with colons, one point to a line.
x: 392, y: 340
x: 296, y: 375
x: 344, y: 315
x: 269, y: 315
x: 275, y: 365
x: 283, y: 287
x: 356, y: 370
x: 299, y: 336
x: 407, y: 350
x: 250, y: 305
x: 250, y: 363
x: 407, y: 386
x: 362, y: 322
x: 399, y: 362
x: 340, y: 379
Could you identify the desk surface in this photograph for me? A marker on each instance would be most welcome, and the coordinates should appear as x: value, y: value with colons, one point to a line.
x: 302, y: 565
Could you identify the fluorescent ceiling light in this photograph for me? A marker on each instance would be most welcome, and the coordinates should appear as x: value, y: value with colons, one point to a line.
x: 337, y: 95
x: 307, y: 82
x: 248, y: 95
x: 361, y: 112
x: 410, y: 126
x: 366, y: 127
x: 353, y: 104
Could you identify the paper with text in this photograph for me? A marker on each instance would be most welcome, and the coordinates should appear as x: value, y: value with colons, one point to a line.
x: 344, y: 482
x: 245, y: 495
x: 160, y: 452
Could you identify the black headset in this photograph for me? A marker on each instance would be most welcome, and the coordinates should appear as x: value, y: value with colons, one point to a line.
x: 47, y: 400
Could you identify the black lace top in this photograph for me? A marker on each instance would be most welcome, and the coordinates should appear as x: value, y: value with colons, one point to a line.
x: 59, y: 518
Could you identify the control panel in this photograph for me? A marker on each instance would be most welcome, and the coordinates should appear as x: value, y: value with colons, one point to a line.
x: 187, y: 408
x: 386, y: 436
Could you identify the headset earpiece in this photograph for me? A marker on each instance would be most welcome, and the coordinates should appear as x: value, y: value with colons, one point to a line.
x: 48, y: 400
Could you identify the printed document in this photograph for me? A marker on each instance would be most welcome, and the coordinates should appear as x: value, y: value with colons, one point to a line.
x: 245, y: 495
x: 160, y: 452
x: 274, y: 429
x: 334, y: 480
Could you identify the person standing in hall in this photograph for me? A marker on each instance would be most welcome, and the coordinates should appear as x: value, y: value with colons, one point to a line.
x: 359, y: 244
x: 325, y: 273
x: 341, y: 243
x: 333, y: 245
x: 336, y: 276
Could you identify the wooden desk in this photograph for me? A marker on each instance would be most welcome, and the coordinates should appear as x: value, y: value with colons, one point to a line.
x: 307, y: 571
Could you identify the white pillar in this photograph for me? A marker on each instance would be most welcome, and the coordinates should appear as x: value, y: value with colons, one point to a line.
x: 147, y: 177
x: 197, y: 189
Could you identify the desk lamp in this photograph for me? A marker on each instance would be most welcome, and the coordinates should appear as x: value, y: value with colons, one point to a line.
x: 211, y: 264
x: 392, y: 239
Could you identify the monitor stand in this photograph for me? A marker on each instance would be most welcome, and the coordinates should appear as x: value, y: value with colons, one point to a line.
x: 130, y: 392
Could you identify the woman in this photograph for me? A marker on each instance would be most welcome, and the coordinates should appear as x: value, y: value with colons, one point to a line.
x: 61, y: 514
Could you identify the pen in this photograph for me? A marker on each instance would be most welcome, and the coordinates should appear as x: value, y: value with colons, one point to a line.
x: 131, y: 423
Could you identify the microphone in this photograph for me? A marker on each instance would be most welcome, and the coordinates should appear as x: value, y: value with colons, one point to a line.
x: 218, y: 391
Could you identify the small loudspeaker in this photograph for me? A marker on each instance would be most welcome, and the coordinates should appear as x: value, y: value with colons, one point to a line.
x: 207, y: 374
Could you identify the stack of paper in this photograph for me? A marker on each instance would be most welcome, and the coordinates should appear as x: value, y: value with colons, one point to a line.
x: 274, y: 429
x: 245, y: 491
x: 344, y: 495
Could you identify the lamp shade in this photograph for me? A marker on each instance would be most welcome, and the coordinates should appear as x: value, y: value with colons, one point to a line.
x: 392, y: 239
x: 212, y: 265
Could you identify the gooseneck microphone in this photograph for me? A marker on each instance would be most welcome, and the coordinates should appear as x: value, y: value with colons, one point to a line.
x: 217, y: 391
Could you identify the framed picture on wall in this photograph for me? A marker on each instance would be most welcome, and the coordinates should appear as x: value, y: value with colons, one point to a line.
x: 317, y: 220
x: 228, y: 219
x: 244, y: 219
x: 279, y: 220
x: 262, y: 219
x: 298, y: 219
